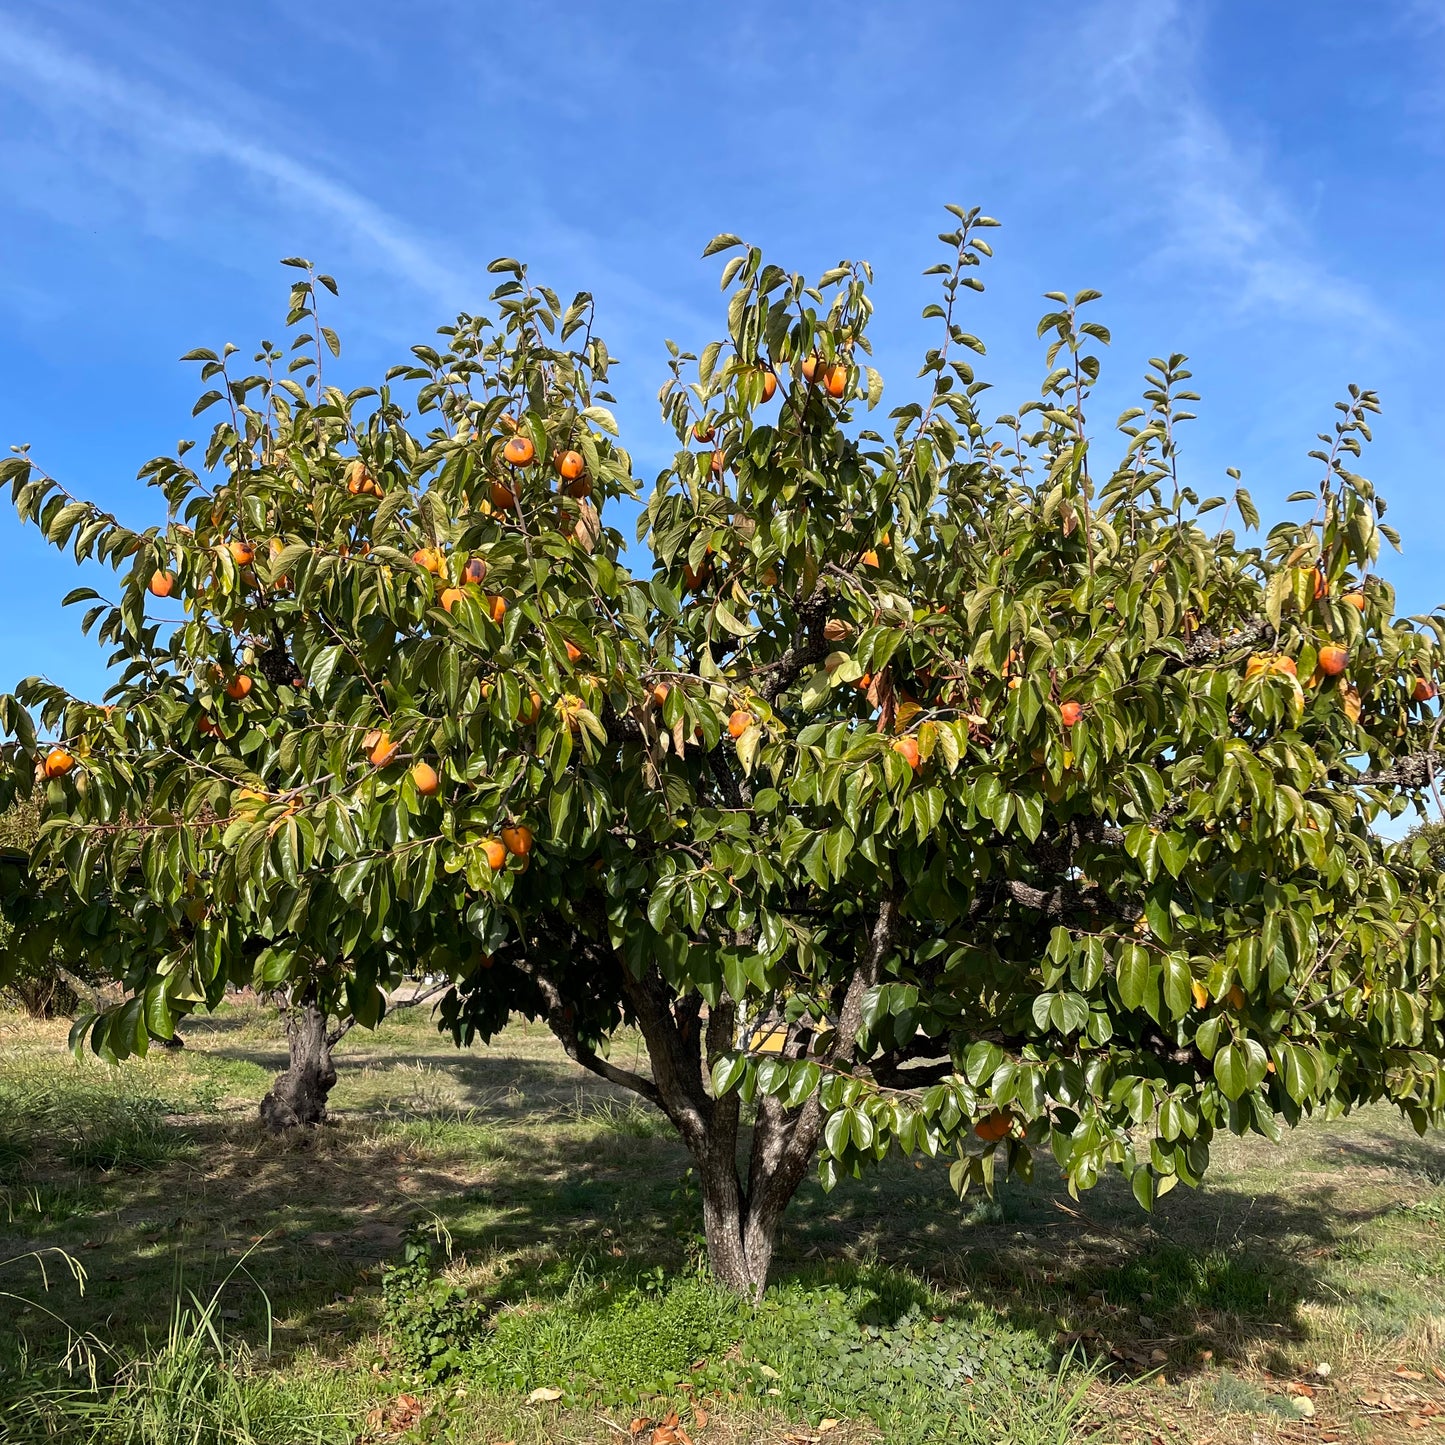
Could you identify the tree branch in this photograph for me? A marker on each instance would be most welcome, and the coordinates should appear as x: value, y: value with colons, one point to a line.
x: 808, y: 648
x: 561, y: 1024
x: 850, y: 1016
x: 1412, y: 772
x: 1207, y: 646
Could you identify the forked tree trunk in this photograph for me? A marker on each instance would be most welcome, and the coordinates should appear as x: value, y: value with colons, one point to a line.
x: 298, y: 1097
x: 742, y: 1210
x: 742, y: 1221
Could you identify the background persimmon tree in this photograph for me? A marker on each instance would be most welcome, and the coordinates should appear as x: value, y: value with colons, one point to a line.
x: 993, y: 769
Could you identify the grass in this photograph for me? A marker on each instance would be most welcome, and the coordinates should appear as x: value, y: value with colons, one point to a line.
x: 573, y: 1228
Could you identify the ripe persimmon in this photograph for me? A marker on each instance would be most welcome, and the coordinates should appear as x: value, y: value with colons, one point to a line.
x: 836, y: 380
x: 529, y: 709
x: 160, y: 584
x: 497, y: 607
x: 475, y: 572
x: 238, y: 687
x: 739, y: 722
x: 660, y: 691
x: 517, y: 838
x: 429, y: 559
x: 869, y: 558
x: 504, y: 499
x: 809, y: 368
x: 770, y: 383
x: 1424, y: 690
x: 907, y: 749
x: 1266, y: 662
x: 570, y: 465
x: 718, y: 462
x: 58, y: 763
x: 1333, y: 659
x: 574, y: 653
x: 426, y: 779
x: 383, y: 750
x: 207, y: 728
x: 1355, y: 600
x: 519, y: 450
x: 359, y: 481
x: 994, y: 1127
x: 243, y: 553
x: 451, y: 596
x: 702, y: 431
x: 496, y: 852
x: 1071, y: 712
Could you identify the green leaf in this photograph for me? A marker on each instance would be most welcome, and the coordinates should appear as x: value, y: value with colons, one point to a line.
x: 725, y: 241
x: 1178, y: 984
x: 1132, y: 974
x: 727, y: 1073
x: 1231, y: 1070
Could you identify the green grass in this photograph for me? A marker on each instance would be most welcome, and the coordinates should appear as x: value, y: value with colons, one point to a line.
x: 574, y: 1229
x: 88, y: 1114
x: 193, y: 1387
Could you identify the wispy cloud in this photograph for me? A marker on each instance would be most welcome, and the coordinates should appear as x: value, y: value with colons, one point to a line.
x: 1210, y: 197
x: 45, y: 72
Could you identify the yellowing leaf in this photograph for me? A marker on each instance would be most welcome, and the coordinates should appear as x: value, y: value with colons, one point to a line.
x: 908, y: 708
x: 1350, y: 701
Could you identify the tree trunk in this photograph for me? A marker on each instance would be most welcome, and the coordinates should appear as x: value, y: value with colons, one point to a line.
x: 299, y: 1095
x: 742, y: 1222
x: 741, y: 1216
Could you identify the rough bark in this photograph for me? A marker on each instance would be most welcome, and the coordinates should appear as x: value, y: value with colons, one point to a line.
x: 298, y: 1097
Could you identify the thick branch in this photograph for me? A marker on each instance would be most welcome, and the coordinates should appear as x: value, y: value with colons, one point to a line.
x: 559, y: 1020
x: 677, y: 1072
x: 1207, y: 646
x: 1413, y: 771
x: 865, y: 976
x: 807, y: 649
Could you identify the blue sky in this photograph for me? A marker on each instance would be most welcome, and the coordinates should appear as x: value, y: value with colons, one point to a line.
x: 1261, y: 186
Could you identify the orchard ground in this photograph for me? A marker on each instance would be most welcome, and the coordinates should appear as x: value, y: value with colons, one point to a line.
x: 568, y: 1203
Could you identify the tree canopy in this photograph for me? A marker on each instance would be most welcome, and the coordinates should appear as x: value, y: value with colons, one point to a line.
x: 957, y: 782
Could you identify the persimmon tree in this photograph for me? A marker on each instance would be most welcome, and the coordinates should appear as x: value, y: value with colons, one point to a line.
x: 1016, y: 791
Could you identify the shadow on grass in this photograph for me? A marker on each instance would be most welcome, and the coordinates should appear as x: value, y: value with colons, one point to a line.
x: 1423, y: 1158
x: 541, y: 1174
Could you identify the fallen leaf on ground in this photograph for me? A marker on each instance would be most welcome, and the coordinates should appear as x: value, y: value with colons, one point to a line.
x: 1403, y: 1374
x: 699, y: 1416
x: 396, y: 1417
x: 825, y: 1425
x: 543, y: 1395
x: 670, y: 1432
